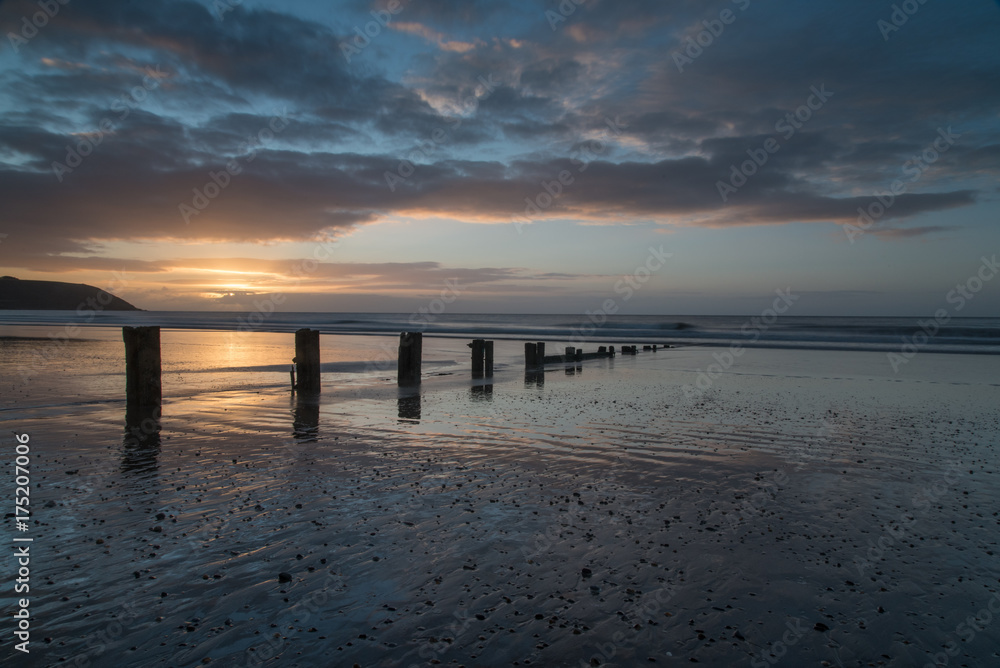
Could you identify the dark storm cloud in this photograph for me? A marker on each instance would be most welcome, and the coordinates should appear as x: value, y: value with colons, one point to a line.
x: 446, y: 12
x: 219, y: 81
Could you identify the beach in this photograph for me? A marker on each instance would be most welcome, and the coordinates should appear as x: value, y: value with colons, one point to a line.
x: 808, y: 507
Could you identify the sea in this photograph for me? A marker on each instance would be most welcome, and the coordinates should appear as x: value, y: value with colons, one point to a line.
x: 767, y: 330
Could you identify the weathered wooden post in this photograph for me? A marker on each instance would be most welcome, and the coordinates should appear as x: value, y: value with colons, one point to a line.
x: 410, y: 354
x: 530, y: 355
x: 143, y: 388
x: 540, y: 350
x: 488, y: 350
x: 570, y: 353
x: 307, y: 360
x: 478, y: 349
x: 579, y: 355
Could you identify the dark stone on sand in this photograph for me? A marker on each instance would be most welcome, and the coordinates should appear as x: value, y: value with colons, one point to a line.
x: 586, y: 572
x: 161, y: 516
x: 821, y: 627
x: 284, y: 577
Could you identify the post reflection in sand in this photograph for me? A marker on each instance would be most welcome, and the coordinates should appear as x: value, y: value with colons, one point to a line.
x: 305, y: 418
x: 408, y: 405
x: 141, y: 441
x: 534, y: 378
x: 482, y: 392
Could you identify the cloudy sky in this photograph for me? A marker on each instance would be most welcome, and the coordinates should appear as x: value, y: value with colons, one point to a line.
x: 356, y: 155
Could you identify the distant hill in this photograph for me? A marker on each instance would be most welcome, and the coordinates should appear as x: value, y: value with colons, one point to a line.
x: 55, y: 296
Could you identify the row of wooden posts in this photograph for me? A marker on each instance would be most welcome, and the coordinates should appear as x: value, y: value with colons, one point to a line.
x: 143, y: 367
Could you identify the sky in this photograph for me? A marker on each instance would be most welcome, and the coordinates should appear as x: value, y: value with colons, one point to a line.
x: 525, y: 157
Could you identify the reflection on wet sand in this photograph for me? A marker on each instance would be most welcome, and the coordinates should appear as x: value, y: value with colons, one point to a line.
x: 409, y: 407
x: 141, y: 441
x: 305, y: 418
x: 482, y: 392
x: 534, y: 378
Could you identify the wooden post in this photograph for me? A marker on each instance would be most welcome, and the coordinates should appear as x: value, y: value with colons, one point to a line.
x: 478, y: 349
x: 530, y: 356
x: 579, y: 354
x: 410, y: 354
x: 489, y: 359
x: 540, y: 349
x: 142, y: 366
x: 307, y: 360
x: 570, y: 353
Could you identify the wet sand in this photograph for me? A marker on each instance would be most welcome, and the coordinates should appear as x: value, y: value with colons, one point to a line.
x: 810, y: 508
